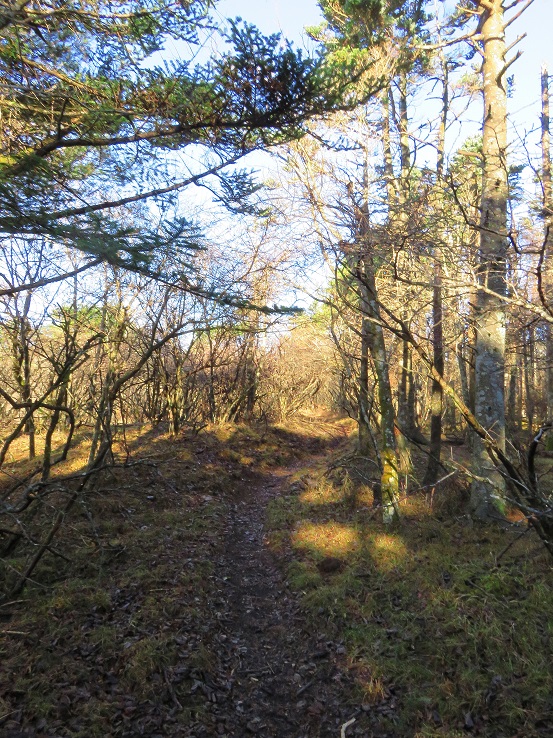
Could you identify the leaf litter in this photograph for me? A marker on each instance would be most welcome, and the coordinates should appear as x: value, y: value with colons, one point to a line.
x: 172, y: 616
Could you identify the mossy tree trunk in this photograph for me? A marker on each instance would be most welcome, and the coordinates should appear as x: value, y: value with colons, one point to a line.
x: 374, y: 344
x: 374, y: 337
x: 488, y: 485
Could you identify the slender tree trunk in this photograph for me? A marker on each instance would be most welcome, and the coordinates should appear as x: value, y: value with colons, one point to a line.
x: 389, y: 176
x: 22, y: 364
x: 398, y: 216
x: 405, y: 153
x: 547, y: 272
x: 363, y: 421
x: 463, y: 374
x: 437, y: 401
x: 403, y: 410
x: 512, y: 419
x: 212, y: 403
x: 434, y: 459
x: 405, y: 399
x: 389, y: 480
x: 26, y: 383
x: 54, y: 420
x: 487, y: 484
x: 373, y: 337
x: 529, y: 377
x: 519, y: 392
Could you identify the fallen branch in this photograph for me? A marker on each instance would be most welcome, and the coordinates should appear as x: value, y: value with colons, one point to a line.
x: 512, y: 543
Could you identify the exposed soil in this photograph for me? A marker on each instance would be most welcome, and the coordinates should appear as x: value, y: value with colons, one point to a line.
x: 178, y: 621
x: 274, y: 676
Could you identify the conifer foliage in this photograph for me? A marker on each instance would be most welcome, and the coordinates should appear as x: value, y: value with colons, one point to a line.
x: 89, y: 115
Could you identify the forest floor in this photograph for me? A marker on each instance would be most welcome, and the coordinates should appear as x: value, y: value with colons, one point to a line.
x: 236, y: 583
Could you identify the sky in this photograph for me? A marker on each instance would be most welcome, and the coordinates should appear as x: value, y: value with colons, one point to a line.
x: 272, y: 16
x: 291, y: 16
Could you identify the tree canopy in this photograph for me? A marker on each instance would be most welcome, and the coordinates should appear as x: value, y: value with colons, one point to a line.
x: 91, y: 119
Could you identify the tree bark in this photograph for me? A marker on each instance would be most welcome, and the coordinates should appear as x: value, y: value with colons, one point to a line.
x: 434, y: 459
x: 374, y: 342
x: 488, y: 486
x: 437, y: 400
x: 548, y: 237
x: 363, y: 421
x: 389, y: 480
x: 529, y: 379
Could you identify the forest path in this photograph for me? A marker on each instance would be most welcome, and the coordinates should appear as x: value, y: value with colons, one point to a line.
x: 176, y: 619
x: 277, y: 674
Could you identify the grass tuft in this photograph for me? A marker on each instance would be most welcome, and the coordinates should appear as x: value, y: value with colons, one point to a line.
x: 439, y: 635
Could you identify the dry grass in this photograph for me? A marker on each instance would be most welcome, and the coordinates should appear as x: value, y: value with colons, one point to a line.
x: 444, y: 639
x: 117, y: 623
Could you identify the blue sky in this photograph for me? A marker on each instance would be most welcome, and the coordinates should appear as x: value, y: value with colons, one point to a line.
x: 291, y: 16
x: 271, y: 16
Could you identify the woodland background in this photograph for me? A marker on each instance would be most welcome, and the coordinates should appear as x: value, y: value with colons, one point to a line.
x: 150, y: 280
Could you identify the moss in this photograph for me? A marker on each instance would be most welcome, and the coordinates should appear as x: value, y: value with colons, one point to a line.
x: 426, y: 614
x: 283, y: 511
x: 302, y: 576
x: 142, y: 660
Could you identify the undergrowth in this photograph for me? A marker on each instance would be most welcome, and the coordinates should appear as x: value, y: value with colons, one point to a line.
x: 447, y: 632
x: 113, y: 635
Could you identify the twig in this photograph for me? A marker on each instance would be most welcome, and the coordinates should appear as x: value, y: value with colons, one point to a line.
x: 512, y: 543
x: 426, y: 486
x: 13, y: 602
x: 345, y: 726
x: 305, y: 688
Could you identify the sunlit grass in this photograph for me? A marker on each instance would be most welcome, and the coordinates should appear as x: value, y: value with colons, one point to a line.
x: 433, y: 626
x: 328, y: 539
x: 388, y: 550
x: 321, y: 494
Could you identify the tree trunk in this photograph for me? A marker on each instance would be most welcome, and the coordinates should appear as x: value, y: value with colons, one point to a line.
x: 437, y: 400
x: 22, y: 364
x: 363, y: 421
x: 26, y: 379
x: 528, y: 354
x: 389, y: 177
x: 488, y: 485
x: 512, y: 419
x: 548, y: 226
x: 404, y: 389
x: 434, y: 459
x: 389, y: 480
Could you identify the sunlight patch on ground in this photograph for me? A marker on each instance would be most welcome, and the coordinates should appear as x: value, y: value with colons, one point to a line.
x: 330, y: 539
x: 388, y: 550
x: 417, y: 506
x: 322, y: 494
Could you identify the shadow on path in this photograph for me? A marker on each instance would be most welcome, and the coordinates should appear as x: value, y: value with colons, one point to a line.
x: 277, y: 674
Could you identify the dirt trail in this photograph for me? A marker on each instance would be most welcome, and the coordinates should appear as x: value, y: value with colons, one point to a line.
x: 275, y: 676
x: 194, y: 633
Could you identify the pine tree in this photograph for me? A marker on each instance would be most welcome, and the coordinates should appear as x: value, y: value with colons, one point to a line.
x: 90, y: 121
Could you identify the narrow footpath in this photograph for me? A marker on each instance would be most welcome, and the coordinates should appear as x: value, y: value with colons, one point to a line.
x: 277, y: 675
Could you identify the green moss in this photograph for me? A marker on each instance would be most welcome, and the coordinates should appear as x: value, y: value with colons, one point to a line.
x: 426, y: 612
x: 302, y: 576
x: 144, y: 659
x: 283, y: 511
